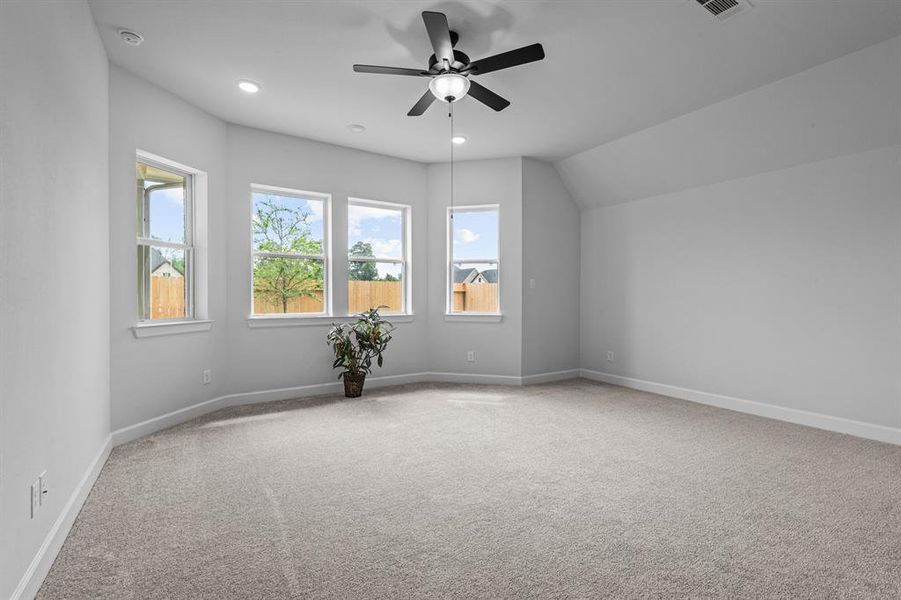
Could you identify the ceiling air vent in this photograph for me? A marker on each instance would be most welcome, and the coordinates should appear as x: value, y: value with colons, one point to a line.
x: 723, y: 9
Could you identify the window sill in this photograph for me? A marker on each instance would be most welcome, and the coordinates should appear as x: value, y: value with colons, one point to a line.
x: 145, y: 330
x: 473, y: 317
x: 261, y: 322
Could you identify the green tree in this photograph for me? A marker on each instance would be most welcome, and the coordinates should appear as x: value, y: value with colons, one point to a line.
x: 362, y: 271
x: 283, y: 229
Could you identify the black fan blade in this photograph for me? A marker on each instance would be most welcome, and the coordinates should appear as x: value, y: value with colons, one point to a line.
x: 439, y: 34
x: 505, y: 60
x: 487, y: 97
x: 391, y: 71
x: 422, y: 105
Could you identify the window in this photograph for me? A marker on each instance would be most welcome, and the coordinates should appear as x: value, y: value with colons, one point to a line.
x: 377, y: 245
x: 290, y: 252
x: 165, y: 240
x: 474, y: 263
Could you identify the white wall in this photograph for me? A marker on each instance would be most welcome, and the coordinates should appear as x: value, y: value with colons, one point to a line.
x: 497, y: 346
x: 153, y: 376
x: 286, y: 357
x: 550, y: 258
x: 750, y: 249
x: 782, y: 288
x: 54, y: 273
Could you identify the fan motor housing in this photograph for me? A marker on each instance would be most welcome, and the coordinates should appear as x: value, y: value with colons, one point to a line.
x: 460, y: 61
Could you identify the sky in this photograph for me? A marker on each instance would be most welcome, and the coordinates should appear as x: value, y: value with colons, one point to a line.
x: 475, y: 234
x: 312, y: 207
x: 381, y: 228
x: 167, y: 215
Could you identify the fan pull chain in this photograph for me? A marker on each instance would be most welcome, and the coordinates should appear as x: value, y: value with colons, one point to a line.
x: 450, y: 114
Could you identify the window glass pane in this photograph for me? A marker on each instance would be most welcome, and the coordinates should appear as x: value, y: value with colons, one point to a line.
x: 287, y: 285
x: 475, y: 234
x: 287, y: 224
x: 374, y: 231
x: 371, y: 285
x: 162, y: 284
x: 162, y: 205
x: 475, y: 287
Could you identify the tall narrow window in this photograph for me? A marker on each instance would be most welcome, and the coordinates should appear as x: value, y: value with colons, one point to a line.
x: 290, y: 251
x: 377, y: 246
x: 474, y: 260
x: 165, y: 237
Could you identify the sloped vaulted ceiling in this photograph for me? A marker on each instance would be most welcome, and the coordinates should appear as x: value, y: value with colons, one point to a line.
x: 848, y: 105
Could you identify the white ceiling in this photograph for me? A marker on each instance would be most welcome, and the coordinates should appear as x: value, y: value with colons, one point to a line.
x: 612, y: 68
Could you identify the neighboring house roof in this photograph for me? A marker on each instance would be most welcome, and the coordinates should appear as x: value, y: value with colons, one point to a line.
x: 156, y: 259
x: 490, y: 275
x: 464, y: 275
x: 157, y: 262
x: 473, y: 275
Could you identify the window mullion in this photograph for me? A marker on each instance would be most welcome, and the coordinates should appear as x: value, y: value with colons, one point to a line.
x: 164, y: 244
x: 263, y: 254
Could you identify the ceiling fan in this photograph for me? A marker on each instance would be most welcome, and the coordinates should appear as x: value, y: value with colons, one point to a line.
x: 450, y: 69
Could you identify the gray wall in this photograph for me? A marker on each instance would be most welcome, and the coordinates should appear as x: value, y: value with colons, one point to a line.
x: 497, y: 346
x: 54, y: 273
x: 781, y: 288
x: 154, y: 376
x: 282, y: 357
x: 550, y: 258
x: 750, y: 249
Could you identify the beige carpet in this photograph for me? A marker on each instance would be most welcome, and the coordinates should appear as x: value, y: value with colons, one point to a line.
x: 567, y: 490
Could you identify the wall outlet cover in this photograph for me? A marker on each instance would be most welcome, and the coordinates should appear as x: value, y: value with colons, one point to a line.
x: 42, y: 487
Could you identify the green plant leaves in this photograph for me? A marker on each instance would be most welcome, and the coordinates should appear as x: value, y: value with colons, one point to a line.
x: 355, y: 344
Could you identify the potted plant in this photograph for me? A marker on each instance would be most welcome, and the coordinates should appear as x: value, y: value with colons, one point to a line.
x: 355, y: 345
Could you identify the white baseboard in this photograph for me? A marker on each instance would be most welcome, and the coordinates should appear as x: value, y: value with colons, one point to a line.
x: 478, y: 378
x: 880, y: 433
x: 40, y: 565
x: 550, y: 377
x: 170, y: 419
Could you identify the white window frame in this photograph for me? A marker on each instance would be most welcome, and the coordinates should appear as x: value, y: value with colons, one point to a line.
x: 325, y: 257
x: 195, y: 248
x: 406, y: 246
x: 451, y: 261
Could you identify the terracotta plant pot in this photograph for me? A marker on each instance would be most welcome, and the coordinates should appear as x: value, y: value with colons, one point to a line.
x: 353, y: 384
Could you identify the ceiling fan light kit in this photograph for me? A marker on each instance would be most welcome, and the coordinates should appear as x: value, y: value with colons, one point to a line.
x: 449, y: 87
x: 450, y: 70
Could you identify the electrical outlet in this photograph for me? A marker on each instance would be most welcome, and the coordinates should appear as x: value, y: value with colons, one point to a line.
x: 470, y: 356
x: 610, y: 356
x: 42, y: 486
x: 207, y: 377
x: 531, y: 284
x: 35, y: 497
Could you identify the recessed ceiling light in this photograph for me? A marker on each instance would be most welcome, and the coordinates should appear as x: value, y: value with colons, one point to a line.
x: 131, y: 38
x: 459, y: 139
x: 356, y: 128
x: 246, y: 85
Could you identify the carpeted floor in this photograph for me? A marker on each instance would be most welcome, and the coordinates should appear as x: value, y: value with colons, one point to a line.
x: 566, y: 490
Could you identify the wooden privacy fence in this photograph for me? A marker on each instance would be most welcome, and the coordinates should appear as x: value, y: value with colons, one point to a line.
x: 475, y: 297
x: 167, y: 297
x: 361, y: 295
x: 263, y: 305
